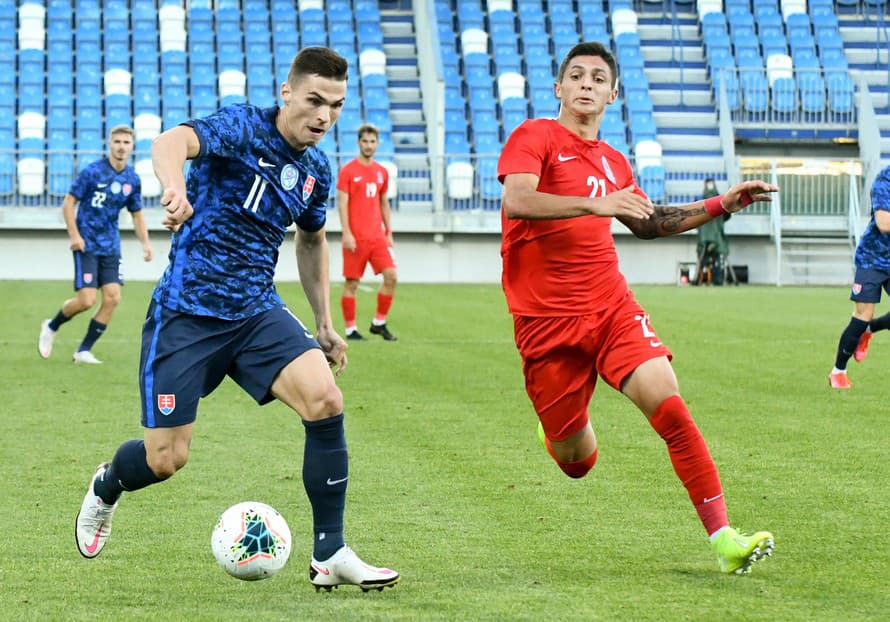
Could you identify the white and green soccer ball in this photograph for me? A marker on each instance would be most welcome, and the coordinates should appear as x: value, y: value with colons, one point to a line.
x: 251, y: 541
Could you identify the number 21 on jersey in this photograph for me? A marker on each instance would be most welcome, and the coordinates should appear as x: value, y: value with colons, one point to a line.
x: 598, y: 187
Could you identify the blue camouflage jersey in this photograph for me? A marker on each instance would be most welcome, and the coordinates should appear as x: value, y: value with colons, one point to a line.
x: 247, y: 186
x: 873, y: 252
x: 102, y: 193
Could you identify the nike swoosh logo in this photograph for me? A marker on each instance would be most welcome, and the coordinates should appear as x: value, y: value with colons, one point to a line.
x: 359, y: 178
x: 101, y: 185
x: 265, y: 164
x: 321, y: 570
x: 91, y: 548
x: 655, y: 344
x: 709, y: 499
x: 563, y: 158
x: 334, y: 482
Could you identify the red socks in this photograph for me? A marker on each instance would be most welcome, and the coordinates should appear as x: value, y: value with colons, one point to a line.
x: 383, y: 305
x: 577, y: 469
x: 348, y: 306
x: 692, y: 461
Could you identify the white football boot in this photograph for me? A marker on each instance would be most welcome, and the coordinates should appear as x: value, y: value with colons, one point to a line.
x: 45, y: 341
x: 86, y: 357
x: 345, y: 568
x: 93, y: 523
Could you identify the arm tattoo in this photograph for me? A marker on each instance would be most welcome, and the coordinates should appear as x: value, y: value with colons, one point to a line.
x: 665, y: 221
x: 669, y: 220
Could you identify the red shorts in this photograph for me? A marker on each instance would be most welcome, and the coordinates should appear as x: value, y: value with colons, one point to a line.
x: 562, y: 357
x: 377, y: 252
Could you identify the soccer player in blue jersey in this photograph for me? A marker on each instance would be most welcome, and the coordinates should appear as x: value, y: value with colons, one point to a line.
x: 872, y: 275
x: 97, y: 195
x: 215, y: 311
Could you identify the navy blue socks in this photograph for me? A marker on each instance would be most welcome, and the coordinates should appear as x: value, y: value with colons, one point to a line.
x: 325, y: 473
x: 57, y: 321
x: 128, y: 471
x: 94, y: 331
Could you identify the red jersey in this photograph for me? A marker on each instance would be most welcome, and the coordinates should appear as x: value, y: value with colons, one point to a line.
x: 568, y: 266
x: 365, y: 184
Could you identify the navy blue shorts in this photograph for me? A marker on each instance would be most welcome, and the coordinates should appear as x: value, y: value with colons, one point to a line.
x: 185, y: 357
x: 96, y: 270
x: 867, y: 285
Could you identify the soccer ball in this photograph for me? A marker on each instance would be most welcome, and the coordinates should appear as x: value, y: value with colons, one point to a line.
x: 251, y: 541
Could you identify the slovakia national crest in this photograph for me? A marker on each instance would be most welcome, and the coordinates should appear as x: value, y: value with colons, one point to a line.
x: 166, y: 403
x: 857, y: 288
x: 289, y: 177
x: 308, y: 186
x: 87, y: 277
x: 128, y: 189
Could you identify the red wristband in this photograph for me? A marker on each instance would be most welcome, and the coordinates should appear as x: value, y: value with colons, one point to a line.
x: 714, y: 206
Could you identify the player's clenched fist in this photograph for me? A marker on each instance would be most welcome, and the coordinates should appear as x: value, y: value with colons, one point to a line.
x: 177, y: 208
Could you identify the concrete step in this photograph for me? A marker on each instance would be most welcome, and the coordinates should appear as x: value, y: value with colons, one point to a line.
x: 407, y: 94
x: 686, y: 97
x: 399, y: 50
x: 685, y: 119
x: 688, y: 142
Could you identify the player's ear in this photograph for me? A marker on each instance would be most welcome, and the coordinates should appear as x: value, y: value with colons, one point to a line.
x: 285, y: 93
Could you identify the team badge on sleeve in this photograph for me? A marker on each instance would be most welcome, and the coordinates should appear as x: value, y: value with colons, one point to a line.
x: 308, y: 186
x: 166, y: 403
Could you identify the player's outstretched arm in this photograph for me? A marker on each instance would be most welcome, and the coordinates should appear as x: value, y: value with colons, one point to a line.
x: 670, y: 220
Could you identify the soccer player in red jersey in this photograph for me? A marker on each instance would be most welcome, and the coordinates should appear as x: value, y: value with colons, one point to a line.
x: 574, y: 316
x: 367, y: 232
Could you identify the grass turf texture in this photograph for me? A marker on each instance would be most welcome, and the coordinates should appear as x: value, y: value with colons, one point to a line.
x: 448, y: 483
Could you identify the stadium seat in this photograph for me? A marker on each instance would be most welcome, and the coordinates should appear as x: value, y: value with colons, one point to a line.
x: 372, y: 61
x: 32, y: 125
x: 31, y: 176
x: 459, y: 180
x: 623, y: 20
x: 474, y: 40
x: 117, y: 82
x: 511, y: 85
x: 147, y: 126
x: 151, y: 186
x: 32, y: 31
x: 60, y: 173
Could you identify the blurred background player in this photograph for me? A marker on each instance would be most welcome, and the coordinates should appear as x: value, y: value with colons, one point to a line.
x: 574, y: 316
x: 872, y: 275
x: 98, y: 194
x: 216, y: 312
x: 367, y: 233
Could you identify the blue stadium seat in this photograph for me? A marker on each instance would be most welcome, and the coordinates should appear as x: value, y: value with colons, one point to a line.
x: 31, y: 98
x: 755, y: 91
x: 784, y: 95
x: 146, y: 99
x: 456, y: 143
x: 369, y: 36
x: 840, y: 92
x: 652, y: 180
x: 812, y: 91
x: 60, y: 173
x: 454, y: 100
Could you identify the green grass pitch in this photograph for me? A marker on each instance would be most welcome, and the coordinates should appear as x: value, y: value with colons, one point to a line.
x: 448, y: 483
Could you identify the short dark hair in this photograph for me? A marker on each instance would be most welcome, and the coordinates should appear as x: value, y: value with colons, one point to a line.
x: 367, y: 128
x: 318, y: 61
x: 590, y: 48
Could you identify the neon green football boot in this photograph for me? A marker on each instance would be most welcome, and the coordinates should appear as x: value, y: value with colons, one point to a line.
x: 737, y: 552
